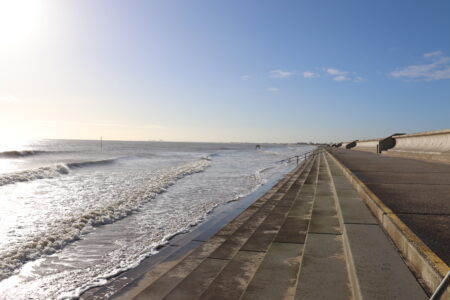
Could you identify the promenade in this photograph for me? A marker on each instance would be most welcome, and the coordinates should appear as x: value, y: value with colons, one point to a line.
x: 312, y: 236
x: 418, y: 192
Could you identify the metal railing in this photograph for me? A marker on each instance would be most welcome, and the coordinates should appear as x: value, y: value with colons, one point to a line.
x: 303, y: 155
x: 440, y: 289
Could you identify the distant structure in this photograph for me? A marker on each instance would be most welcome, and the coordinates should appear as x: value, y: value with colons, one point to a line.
x: 258, y: 147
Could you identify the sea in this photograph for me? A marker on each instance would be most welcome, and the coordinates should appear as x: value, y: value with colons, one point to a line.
x: 75, y: 213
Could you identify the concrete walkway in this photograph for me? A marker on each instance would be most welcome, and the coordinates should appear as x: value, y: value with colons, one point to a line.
x: 418, y: 192
x: 310, y: 237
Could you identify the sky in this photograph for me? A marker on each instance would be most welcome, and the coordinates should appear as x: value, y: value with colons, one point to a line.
x: 223, y: 71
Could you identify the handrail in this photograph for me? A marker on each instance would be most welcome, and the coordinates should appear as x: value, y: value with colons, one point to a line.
x: 305, y: 155
x: 440, y: 289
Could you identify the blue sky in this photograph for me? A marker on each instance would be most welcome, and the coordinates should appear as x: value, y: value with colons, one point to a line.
x: 256, y: 71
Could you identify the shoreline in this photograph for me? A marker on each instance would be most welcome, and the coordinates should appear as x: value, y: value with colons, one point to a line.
x: 181, y: 243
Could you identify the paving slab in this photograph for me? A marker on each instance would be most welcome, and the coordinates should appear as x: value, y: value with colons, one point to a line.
x: 323, y: 273
x: 168, y: 279
x: 301, y: 209
x: 233, y: 280
x: 351, y: 206
x: 324, y: 217
x: 260, y: 240
x: 237, y: 222
x: 381, y: 272
x: 347, y: 193
x: 231, y: 246
x: 293, y: 230
x: 161, y: 287
x: 277, y: 275
x: 198, y: 280
x: 353, y: 210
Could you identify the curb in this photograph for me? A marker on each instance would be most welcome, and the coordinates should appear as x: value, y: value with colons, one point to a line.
x: 424, y: 263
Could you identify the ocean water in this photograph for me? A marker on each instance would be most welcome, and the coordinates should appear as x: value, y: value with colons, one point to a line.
x: 73, y: 214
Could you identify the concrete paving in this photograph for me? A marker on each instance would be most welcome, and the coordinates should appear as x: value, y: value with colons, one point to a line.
x: 381, y: 272
x: 417, y: 191
x: 324, y: 272
x: 307, y: 238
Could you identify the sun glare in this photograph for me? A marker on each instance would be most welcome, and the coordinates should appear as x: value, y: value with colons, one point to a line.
x: 20, y: 21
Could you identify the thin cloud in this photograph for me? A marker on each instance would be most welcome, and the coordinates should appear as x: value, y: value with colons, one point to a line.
x: 341, y: 78
x: 359, y: 79
x: 433, y: 54
x: 273, y: 89
x: 308, y: 74
x: 246, y: 77
x: 336, y: 72
x: 340, y: 75
x: 438, y: 68
x: 281, y: 74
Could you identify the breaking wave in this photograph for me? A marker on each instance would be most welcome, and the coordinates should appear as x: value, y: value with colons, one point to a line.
x: 23, y: 153
x: 48, y: 171
x: 69, y: 230
x: 91, y: 163
x: 269, y: 152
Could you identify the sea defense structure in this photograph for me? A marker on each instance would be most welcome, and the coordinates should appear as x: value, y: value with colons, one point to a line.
x: 367, y: 145
x: 351, y: 145
x: 429, y: 145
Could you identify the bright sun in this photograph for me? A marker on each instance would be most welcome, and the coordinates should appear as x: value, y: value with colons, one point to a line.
x: 20, y: 20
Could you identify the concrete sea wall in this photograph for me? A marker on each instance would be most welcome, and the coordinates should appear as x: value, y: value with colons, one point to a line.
x: 430, y: 145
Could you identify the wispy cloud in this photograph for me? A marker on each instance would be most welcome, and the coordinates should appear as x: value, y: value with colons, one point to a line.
x: 273, y: 89
x: 308, y: 74
x: 433, y: 54
x: 341, y: 78
x: 339, y: 75
x: 335, y: 72
x: 437, y: 68
x: 246, y: 77
x: 359, y: 79
x: 281, y: 74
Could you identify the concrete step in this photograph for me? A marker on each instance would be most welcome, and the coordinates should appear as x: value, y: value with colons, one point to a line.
x: 195, y: 272
x: 376, y: 269
x: 277, y: 276
x: 323, y: 273
x: 253, y: 236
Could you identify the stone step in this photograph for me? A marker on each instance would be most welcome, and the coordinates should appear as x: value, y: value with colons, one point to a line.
x: 323, y: 273
x: 376, y: 269
x: 276, y: 277
x: 149, y: 271
x: 205, y: 262
x: 227, y: 256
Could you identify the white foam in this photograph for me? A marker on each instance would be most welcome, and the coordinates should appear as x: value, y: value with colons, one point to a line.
x: 33, y: 174
x: 70, y: 230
